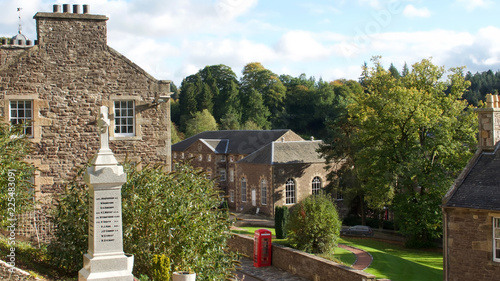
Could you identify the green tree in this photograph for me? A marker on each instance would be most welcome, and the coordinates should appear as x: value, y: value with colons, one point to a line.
x: 257, y: 79
x: 201, y: 122
x: 176, y: 135
x: 159, y: 219
x: 314, y: 225
x: 411, y: 138
x: 255, y: 110
x: 16, y: 193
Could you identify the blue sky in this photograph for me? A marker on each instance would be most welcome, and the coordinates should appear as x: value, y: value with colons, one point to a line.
x: 321, y: 38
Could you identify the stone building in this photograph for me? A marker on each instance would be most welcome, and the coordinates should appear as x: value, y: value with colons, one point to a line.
x: 471, y: 208
x: 257, y: 170
x: 55, y: 89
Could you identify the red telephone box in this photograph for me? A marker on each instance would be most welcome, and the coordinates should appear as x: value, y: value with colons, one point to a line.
x: 262, y: 246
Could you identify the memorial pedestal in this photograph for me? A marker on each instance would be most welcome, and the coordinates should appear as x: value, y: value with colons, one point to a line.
x: 105, y: 260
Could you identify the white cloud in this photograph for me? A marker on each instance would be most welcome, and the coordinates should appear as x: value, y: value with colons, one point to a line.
x: 413, y: 12
x: 301, y: 46
x: 231, y: 9
x: 473, y: 4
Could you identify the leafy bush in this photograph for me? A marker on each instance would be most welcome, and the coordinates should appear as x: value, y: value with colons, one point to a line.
x: 281, y: 215
x: 15, y: 174
x: 174, y: 214
x: 71, y: 220
x: 314, y: 225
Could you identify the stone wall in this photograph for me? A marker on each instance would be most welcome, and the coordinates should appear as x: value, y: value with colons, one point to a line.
x: 68, y: 76
x: 300, y: 263
x: 302, y: 174
x: 254, y: 173
x: 468, y: 240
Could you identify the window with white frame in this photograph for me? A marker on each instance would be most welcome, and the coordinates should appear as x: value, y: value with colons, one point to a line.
x: 231, y: 196
x: 200, y: 157
x: 222, y: 173
x: 21, y: 113
x: 209, y: 173
x: 231, y: 175
x: 316, y: 185
x: 496, y: 239
x: 209, y: 157
x: 124, y: 118
x: 263, y: 192
x: 290, y: 192
x: 223, y: 158
x: 243, y: 190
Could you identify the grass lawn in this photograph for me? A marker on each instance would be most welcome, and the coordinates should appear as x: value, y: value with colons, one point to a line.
x: 390, y: 260
x: 397, y: 263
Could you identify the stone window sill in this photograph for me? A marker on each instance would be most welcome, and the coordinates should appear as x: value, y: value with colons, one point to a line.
x: 131, y: 138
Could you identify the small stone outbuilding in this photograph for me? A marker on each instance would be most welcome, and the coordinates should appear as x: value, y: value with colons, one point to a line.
x: 56, y: 86
x: 471, y: 208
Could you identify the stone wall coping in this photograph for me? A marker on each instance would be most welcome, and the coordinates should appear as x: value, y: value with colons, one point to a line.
x: 70, y: 16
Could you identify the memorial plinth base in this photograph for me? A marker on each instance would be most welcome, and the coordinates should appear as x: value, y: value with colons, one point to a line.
x: 106, y: 268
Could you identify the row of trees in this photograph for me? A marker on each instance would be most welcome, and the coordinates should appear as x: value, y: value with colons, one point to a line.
x: 214, y: 98
x: 259, y: 100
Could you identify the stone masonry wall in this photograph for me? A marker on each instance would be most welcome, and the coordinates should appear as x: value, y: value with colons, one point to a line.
x: 69, y: 75
x: 303, y: 175
x: 302, y: 264
x: 469, y: 239
x: 253, y: 174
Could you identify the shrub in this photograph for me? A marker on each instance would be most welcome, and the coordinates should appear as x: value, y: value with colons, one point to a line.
x: 174, y: 214
x: 281, y: 215
x: 161, y: 268
x: 314, y: 225
x: 16, y: 189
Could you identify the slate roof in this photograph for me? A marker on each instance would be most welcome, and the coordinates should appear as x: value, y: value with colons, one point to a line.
x: 237, y: 141
x: 217, y: 146
x: 287, y: 152
x: 479, y: 187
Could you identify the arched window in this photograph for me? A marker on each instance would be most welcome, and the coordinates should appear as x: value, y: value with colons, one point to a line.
x: 290, y: 192
x: 263, y: 192
x: 243, y: 190
x: 316, y: 185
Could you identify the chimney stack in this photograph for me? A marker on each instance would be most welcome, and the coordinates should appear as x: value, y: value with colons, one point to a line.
x: 56, y: 8
x: 489, y: 123
x: 65, y: 8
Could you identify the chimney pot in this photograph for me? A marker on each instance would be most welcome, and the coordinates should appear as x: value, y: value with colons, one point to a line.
x: 57, y: 8
x: 65, y: 8
x: 86, y: 9
x: 489, y: 101
x: 76, y: 9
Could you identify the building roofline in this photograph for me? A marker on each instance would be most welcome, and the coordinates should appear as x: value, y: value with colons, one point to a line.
x: 466, y: 171
x: 70, y: 16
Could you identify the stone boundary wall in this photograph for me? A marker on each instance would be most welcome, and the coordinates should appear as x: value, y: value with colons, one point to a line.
x: 301, y: 264
x: 8, y: 272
